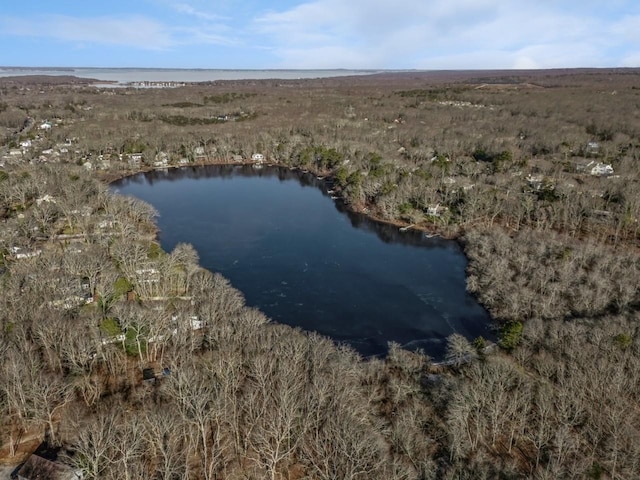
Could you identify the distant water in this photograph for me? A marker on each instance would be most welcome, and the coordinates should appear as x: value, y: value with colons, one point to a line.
x: 305, y: 261
x: 129, y: 75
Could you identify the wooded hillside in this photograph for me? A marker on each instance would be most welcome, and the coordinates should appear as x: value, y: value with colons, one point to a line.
x: 138, y: 363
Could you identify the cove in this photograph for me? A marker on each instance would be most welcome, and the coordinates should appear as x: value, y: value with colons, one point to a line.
x: 304, y: 260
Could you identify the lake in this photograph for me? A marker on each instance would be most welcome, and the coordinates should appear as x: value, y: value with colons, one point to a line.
x: 304, y: 260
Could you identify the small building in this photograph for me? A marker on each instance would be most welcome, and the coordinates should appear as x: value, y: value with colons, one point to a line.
x: 162, y: 160
x: 196, y: 323
x: 593, y: 147
x: 436, y: 210
x: 45, y: 198
x: 535, y: 181
x: 257, y: 157
x: 38, y: 468
x: 135, y: 159
x: 600, y: 169
x: 148, y: 375
x: 198, y: 153
x: 161, y: 163
x: 45, y: 126
x: 20, y: 253
x: 148, y: 275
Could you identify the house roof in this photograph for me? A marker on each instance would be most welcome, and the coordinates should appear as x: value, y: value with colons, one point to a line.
x: 38, y: 468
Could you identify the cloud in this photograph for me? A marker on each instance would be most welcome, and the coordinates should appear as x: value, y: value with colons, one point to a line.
x: 422, y: 34
x: 455, y: 33
x: 136, y: 31
x: 185, y: 8
x: 132, y: 31
x: 205, y: 35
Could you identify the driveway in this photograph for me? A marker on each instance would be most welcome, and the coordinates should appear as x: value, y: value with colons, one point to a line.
x: 5, y: 472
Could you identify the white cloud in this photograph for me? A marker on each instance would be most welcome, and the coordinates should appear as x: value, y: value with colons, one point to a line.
x: 185, y: 8
x: 456, y: 33
x: 204, y: 35
x: 133, y: 31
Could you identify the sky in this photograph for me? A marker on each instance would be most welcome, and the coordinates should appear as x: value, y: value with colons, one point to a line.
x: 321, y: 34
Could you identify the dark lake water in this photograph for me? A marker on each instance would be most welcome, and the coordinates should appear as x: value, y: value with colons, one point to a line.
x: 305, y: 261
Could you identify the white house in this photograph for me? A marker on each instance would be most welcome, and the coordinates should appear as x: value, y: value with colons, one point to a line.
x: 599, y: 169
x: 257, y: 157
x: 19, y: 253
x: 436, y: 210
x: 45, y: 198
x: 45, y: 126
x: 134, y: 159
x: 593, y: 147
x: 162, y: 159
x: 164, y: 163
x: 25, y: 143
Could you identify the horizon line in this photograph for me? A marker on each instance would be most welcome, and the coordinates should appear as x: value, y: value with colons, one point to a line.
x: 503, y: 69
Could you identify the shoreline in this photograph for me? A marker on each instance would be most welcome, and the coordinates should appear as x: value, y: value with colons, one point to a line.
x: 434, y: 231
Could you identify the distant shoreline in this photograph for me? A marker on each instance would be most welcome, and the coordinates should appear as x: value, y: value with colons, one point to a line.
x: 125, y: 75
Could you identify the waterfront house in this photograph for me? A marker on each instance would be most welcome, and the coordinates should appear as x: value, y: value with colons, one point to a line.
x: 198, y: 153
x: 599, y: 169
x: 39, y: 468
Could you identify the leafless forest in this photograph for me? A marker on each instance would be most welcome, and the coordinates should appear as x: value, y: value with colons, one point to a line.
x: 139, y: 364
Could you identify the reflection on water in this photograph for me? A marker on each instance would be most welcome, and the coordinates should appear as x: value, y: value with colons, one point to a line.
x: 306, y: 261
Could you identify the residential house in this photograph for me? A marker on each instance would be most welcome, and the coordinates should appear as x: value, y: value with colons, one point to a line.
x: 162, y: 160
x: 148, y: 275
x: 436, y: 210
x: 535, y: 181
x: 599, y: 169
x: 20, y: 253
x: 593, y: 147
x: 257, y: 157
x: 198, y: 153
x: 39, y: 468
x: 45, y: 126
x: 135, y: 159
